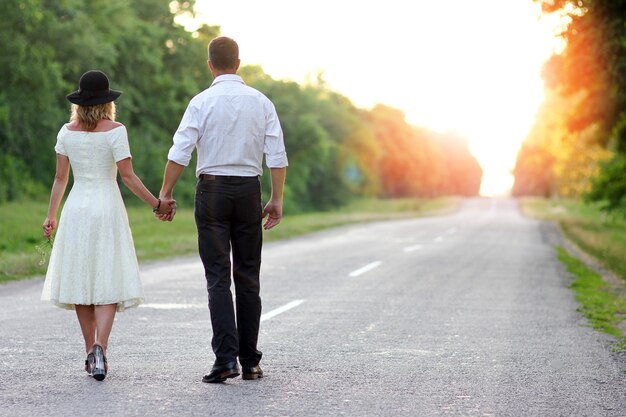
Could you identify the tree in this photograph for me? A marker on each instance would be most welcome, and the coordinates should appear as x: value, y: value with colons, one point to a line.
x: 336, y: 150
x: 591, y: 72
x: 554, y: 160
x: 417, y: 162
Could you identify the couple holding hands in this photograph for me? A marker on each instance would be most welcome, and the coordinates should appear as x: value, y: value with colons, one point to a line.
x: 93, y: 266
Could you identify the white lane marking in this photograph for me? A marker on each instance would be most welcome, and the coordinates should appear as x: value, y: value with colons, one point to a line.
x: 366, y: 268
x: 172, y: 306
x: 439, y: 239
x: 280, y: 310
x: 412, y: 248
x: 266, y: 316
x: 452, y: 230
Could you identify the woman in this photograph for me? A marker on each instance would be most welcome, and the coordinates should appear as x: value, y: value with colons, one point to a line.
x: 93, y: 267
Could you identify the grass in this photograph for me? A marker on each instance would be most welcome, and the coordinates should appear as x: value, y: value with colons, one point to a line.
x: 24, y: 250
x: 603, y: 308
x: 603, y: 237
x: 600, y: 235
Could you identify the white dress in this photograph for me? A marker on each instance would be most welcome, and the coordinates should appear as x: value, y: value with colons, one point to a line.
x: 93, y: 258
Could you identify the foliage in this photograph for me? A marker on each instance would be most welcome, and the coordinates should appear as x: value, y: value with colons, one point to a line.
x: 585, y: 122
x: 336, y: 151
x: 30, y: 79
x: 555, y: 161
x: 47, y: 46
x: 416, y: 161
x: 462, y: 171
x: 610, y: 186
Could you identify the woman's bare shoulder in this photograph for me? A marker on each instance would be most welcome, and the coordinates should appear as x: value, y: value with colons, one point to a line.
x: 73, y: 125
x: 106, y: 125
x: 102, y: 126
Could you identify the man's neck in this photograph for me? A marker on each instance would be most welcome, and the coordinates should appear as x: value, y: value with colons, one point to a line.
x: 223, y: 72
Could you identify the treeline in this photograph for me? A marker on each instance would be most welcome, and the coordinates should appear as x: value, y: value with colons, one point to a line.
x: 336, y: 150
x: 577, y: 147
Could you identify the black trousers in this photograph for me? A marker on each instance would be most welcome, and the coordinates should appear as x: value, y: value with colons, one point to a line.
x: 228, y: 212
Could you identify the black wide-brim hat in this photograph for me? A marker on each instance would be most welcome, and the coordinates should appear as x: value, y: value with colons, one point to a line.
x: 93, y: 89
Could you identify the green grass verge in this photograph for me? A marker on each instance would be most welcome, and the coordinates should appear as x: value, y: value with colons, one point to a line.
x: 600, y: 235
x: 603, y: 237
x: 604, y: 309
x: 23, y: 250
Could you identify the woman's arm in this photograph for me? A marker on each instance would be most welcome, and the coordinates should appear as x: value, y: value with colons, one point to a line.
x: 134, y: 184
x: 61, y: 178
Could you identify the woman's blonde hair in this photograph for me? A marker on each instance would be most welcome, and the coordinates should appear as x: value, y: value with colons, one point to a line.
x: 88, y: 116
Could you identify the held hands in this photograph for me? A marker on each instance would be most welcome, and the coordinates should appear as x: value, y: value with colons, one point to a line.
x: 167, y: 209
x: 274, y: 212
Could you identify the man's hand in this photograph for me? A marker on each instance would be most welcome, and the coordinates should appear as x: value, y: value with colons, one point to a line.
x: 274, y: 208
x: 274, y: 212
x: 171, y: 175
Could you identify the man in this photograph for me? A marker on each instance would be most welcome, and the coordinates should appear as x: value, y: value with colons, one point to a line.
x: 232, y: 126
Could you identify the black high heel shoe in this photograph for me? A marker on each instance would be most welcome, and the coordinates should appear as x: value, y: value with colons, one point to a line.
x: 99, y: 371
x: 90, y: 363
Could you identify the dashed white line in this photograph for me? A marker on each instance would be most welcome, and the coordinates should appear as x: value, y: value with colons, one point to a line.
x: 452, y: 230
x: 412, y: 248
x: 366, y: 268
x: 280, y: 310
x: 439, y: 239
x: 266, y: 316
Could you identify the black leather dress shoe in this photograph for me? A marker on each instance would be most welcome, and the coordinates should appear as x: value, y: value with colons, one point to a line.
x: 219, y: 373
x: 252, y: 372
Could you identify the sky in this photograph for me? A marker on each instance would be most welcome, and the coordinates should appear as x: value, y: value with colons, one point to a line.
x: 469, y: 67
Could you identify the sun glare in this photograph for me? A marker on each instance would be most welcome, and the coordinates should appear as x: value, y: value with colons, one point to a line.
x: 470, y: 67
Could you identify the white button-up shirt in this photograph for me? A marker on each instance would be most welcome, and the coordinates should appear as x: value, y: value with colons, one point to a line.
x: 232, y: 125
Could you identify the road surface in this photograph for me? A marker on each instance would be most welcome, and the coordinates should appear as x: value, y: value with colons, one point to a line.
x: 467, y: 314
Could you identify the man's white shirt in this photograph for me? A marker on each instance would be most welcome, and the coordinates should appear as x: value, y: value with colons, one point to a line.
x: 232, y: 125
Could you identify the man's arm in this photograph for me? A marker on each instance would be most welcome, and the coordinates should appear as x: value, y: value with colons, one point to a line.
x: 274, y: 208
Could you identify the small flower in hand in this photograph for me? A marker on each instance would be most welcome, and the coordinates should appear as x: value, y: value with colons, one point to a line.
x: 44, y: 250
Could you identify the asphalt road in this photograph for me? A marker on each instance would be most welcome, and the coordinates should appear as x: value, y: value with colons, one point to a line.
x: 467, y: 314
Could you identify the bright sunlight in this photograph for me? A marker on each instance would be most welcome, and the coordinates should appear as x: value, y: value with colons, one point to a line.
x: 451, y: 65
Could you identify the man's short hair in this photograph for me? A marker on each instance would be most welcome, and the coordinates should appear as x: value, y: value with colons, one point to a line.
x: 223, y: 53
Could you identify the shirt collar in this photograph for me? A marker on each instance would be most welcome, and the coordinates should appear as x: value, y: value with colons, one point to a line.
x: 227, y: 77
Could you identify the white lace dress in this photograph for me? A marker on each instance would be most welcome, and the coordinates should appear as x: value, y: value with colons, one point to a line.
x: 93, y: 258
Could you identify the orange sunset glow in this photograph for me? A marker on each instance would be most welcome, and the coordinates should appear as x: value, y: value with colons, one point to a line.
x: 473, y: 68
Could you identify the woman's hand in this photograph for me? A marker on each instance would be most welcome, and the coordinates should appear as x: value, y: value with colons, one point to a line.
x: 49, y: 225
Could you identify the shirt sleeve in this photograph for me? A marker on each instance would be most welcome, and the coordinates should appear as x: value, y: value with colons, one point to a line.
x: 119, y: 145
x: 60, y: 145
x: 274, y: 146
x: 185, y: 138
